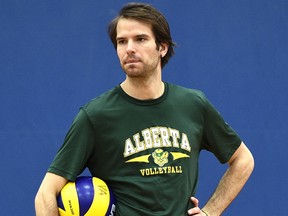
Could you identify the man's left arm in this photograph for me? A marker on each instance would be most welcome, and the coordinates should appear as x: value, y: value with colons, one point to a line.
x: 241, y: 165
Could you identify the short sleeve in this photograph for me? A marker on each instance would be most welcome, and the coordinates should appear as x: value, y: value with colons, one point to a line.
x: 72, y: 157
x: 219, y: 136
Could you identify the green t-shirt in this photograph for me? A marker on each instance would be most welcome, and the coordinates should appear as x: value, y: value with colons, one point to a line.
x: 146, y: 150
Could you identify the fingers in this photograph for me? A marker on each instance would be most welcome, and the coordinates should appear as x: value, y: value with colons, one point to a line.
x: 196, y: 210
x: 195, y: 201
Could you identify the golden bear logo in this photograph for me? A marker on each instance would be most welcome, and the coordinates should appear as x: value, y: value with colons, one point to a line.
x: 160, y: 157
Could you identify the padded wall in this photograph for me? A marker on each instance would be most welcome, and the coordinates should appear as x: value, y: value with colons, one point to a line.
x: 55, y: 56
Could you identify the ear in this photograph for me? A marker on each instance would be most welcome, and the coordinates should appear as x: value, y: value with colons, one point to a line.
x: 163, y: 49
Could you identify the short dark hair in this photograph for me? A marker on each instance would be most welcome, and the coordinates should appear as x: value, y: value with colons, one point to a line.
x: 147, y: 14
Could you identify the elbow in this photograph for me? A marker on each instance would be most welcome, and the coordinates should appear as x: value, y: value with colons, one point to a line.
x: 251, y: 162
x: 38, y: 200
x: 243, y: 161
x: 45, y: 204
x: 247, y: 164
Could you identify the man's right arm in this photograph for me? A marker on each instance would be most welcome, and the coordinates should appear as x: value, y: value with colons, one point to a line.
x: 45, y: 200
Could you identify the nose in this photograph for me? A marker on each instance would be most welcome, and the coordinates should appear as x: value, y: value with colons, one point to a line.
x: 130, y: 48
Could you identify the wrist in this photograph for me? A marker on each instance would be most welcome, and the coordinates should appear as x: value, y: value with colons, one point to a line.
x: 206, y: 214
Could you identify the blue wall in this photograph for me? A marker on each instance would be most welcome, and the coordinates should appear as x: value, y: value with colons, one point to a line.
x: 55, y: 56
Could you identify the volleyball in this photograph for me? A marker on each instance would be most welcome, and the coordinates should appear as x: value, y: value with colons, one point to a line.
x: 87, y: 196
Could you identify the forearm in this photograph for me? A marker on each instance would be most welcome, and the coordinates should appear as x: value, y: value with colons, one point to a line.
x: 230, y: 185
x: 46, y: 205
x: 45, y: 200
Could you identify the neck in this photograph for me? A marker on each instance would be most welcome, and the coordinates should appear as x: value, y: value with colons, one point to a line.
x: 143, y: 90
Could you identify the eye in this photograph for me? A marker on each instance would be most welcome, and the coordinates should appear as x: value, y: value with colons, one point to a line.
x: 141, y: 39
x: 121, y: 42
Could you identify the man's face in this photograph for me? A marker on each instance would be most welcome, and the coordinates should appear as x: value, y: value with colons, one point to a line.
x: 136, y: 48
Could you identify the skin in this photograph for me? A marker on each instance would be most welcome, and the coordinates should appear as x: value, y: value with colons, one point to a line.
x: 140, y: 59
x: 45, y: 200
x: 241, y: 165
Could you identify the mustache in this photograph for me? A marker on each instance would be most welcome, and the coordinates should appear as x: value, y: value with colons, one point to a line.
x: 131, y: 58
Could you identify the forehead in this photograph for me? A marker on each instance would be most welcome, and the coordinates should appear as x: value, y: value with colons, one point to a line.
x: 132, y: 27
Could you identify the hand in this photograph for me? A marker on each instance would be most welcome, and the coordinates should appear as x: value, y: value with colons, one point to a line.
x: 196, y: 211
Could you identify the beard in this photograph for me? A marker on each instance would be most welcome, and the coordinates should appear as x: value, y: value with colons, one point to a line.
x: 137, y: 68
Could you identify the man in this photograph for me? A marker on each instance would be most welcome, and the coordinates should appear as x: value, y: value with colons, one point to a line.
x: 144, y: 137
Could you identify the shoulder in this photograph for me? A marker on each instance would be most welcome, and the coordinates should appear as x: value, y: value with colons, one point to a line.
x: 189, y: 94
x: 104, y: 104
x: 103, y: 99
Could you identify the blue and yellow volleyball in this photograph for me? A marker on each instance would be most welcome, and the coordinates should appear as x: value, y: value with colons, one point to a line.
x: 87, y: 196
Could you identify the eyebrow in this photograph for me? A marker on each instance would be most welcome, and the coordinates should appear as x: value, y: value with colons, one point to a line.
x: 137, y: 36
x: 142, y: 35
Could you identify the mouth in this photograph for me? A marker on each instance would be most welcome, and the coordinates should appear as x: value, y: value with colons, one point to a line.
x: 131, y: 61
